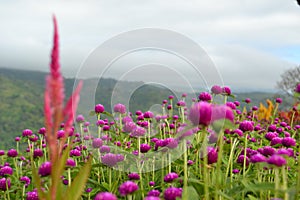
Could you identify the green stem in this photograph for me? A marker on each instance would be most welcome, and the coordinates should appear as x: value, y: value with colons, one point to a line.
x: 219, y: 163
x: 205, y: 171
x: 285, y: 187
x: 185, y: 169
x: 277, y: 182
x: 245, y: 156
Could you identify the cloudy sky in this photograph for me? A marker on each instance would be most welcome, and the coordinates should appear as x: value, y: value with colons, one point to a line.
x: 249, y: 42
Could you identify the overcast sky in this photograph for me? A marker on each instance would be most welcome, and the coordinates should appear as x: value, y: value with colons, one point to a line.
x: 250, y: 42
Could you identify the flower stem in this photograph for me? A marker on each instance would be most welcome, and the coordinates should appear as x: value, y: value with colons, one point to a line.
x: 185, y: 170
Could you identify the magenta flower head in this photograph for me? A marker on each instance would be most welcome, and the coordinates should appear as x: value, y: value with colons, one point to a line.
x: 201, y: 113
x: 80, y: 119
x: 144, y: 148
x: 109, y: 159
x: 216, y: 89
x: 205, y: 96
x: 172, y: 193
x: 288, y: 142
x: 138, y: 132
x: 148, y: 115
x: 105, y: 196
x: 297, y: 88
x: 226, y: 90
x: 127, y: 188
x: 38, y: 153
x: 153, y: 193
x: 120, y: 108
x: 32, y: 195
x: 277, y: 160
x: 246, y: 126
x: 104, y: 149
x: 97, y: 142
x: 6, y: 170
x: 42, y: 131
x: 248, y: 100
x: 70, y: 163
x: 4, y: 184
x: 256, y: 158
x: 45, y: 169
x: 212, y: 155
x: 99, y: 108
x: 134, y: 176
x: 278, y: 100
x: 17, y: 139
x: 169, y: 178
x: 25, y: 179
x: 27, y: 132
x: 12, y: 153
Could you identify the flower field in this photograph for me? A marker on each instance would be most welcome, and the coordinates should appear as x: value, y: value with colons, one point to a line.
x: 193, y: 149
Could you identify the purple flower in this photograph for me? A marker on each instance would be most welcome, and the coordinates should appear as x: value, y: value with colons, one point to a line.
x: 268, y: 151
x: 129, y: 126
x: 75, y: 152
x: 246, y: 126
x: 38, y: 153
x: 148, y: 115
x: 6, y: 170
x: 231, y: 105
x: 4, y: 184
x: 276, y: 140
x: 134, y: 176
x: 45, y: 169
x: 99, y: 108
x: 226, y: 90
x: 153, y: 193
x: 190, y: 162
x: 181, y: 103
x: 212, y: 155
x: 70, y: 163
x: 272, y: 128
x: 172, y: 193
x: 169, y: 178
x: 42, y: 131
x: 105, y: 196
x: 12, y: 153
x: 216, y: 89
x: 25, y: 179
x: 128, y: 187
x: 2, y: 152
x: 97, y: 142
x: 277, y: 160
x: 109, y: 159
x: 235, y: 171
x: 151, y: 183
x: 104, y: 149
x: 144, y: 148
x: 201, y: 113
x: 286, y: 152
x: 248, y: 100
x: 27, y: 132
x: 240, y: 160
x: 257, y: 158
x: 79, y: 119
x: 32, y: 195
x: 278, y: 100
x: 120, y: 108
x: 205, y: 96
x: 270, y: 135
x: 288, y: 142
x: 138, y: 132
x: 297, y: 88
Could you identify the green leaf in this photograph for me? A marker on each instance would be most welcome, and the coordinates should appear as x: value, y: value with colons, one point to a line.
x: 108, y: 114
x: 77, y: 186
x: 92, y: 113
x: 252, y: 197
x: 192, y: 193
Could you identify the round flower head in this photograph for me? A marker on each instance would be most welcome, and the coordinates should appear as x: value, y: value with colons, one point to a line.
x: 216, y: 89
x: 235, y: 171
x: 277, y: 160
x: 248, y: 100
x: 32, y: 195
x: 181, y: 103
x: 201, y: 113
x: 288, y: 142
x: 38, y: 153
x: 120, y: 108
x: 268, y: 151
x: 105, y: 196
x: 148, y: 115
x: 97, y: 142
x: 12, y: 153
x: 17, y: 139
x: 25, y: 179
x: 42, y: 131
x: 212, y: 155
x: 4, y: 184
x: 231, y: 105
x: 278, y: 100
x: 240, y: 160
x: 138, y: 131
x: 109, y: 159
x: 27, y: 132
x: 246, y: 126
x: 151, y: 183
x: 270, y: 135
x: 70, y: 163
x: 169, y: 178
x: 172, y: 193
x: 127, y: 188
x: 144, y: 148
x: 226, y: 90
x: 6, y: 170
x: 104, y: 149
x: 153, y: 193
x: 45, y: 169
x: 79, y: 119
x: 276, y: 140
x: 205, y: 96
x: 257, y: 158
x: 99, y: 108
x: 134, y: 176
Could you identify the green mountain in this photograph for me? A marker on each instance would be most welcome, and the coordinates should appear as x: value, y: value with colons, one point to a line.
x: 21, y: 97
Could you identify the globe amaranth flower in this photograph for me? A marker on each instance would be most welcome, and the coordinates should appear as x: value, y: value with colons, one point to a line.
x: 120, y: 108
x: 134, y: 176
x: 288, y: 142
x: 270, y: 135
x: 6, y: 170
x: 151, y: 183
x: 148, y: 115
x: 240, y: 160
x: 212, y: 155
x: 256, y: 158
x: 235, y: 171
x: 272, y: 128
x: 70, y: 162
x: 216, y: 89
x: 226, y: 90
x: 12, y: 153
x: 32, y: 195
x: 5, y: 184
x: 97, y: 142
x: 99, y: 108
x: 127, y: 188
x: 277, y: 160
x: 109, y: 159
x: 144, y: 148
x: 205, y: 96
x: 231, y: 105
x: 180, y: 103
x: 75, y: 152
x: 42, y: 131
x: 153, y: 193
x: 170, y: 177
x: 45, y: 169
x: 38, y: 153
x: 246, y: 126
x: 297, y: 88
x: 80, y: 119
x: 248, y: 100
x: 276, y: 140
x: 201, y: 113
x: 172, y: 193
x: 25, y: 179
x: 26, y: 132
x: 104, y: 149
x: 268, y: 151
x: 105, y: 196
x: 138, y: 132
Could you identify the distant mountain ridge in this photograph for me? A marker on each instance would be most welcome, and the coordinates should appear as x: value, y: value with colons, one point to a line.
x: 21, y: 97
